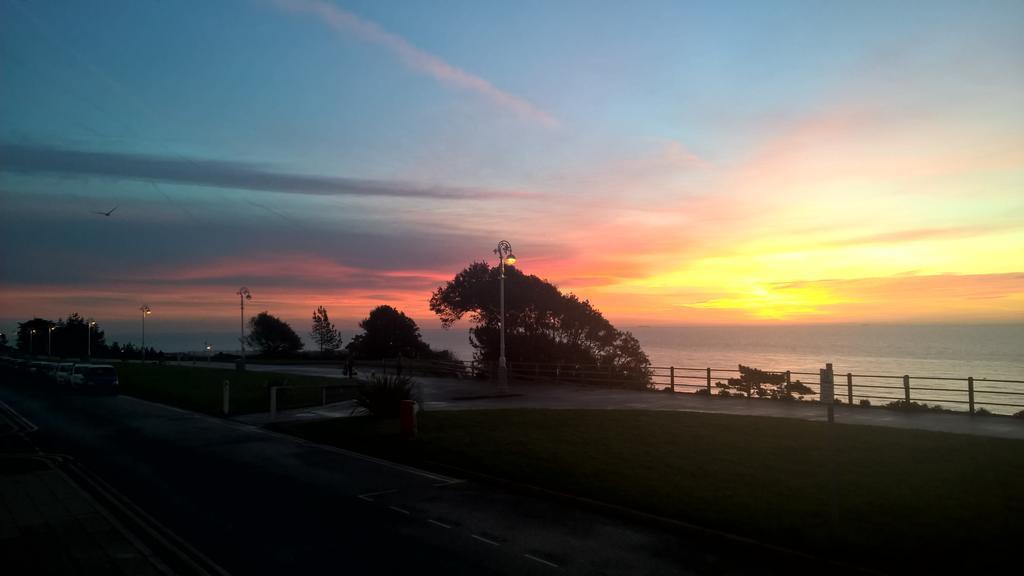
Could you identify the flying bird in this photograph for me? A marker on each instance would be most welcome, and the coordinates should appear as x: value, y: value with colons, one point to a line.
x: 107, y: 213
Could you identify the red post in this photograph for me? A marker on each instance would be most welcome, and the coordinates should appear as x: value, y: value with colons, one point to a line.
x: 407, y: 418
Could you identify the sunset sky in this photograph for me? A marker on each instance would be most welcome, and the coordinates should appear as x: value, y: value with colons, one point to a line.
x: 673, y: 162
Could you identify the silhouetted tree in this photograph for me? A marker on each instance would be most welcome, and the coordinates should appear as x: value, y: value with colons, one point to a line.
x: 324, y: 333
x: 72, y: 337
x: 271, y: 335
x: 33, y: 343
x: 541, y: 324
x: 3, y: 340
x: 388, y: 333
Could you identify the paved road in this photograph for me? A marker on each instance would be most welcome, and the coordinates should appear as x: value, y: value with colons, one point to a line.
x: 254, y: 502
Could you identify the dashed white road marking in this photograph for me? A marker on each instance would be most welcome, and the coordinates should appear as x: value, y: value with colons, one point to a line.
x: 482, y: 539
x: 399, y: 510
x: 541, y: 560
x: 436, y: 523
x: 369, y: 495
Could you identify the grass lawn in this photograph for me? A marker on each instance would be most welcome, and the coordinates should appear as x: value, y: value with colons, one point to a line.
x: 201, y: 389
x: 904, y: 499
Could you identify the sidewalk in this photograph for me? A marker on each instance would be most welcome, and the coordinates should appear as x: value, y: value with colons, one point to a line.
x: 48, y: 525
x: 451, y: 394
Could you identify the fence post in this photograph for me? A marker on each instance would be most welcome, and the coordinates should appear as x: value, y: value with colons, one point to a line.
x: 849, y: 388
x: 273, y: 403
x: 970, y: 392
x: 826, y: 383
x: 789, y: 379
x: 709, y: 381
x: 906, y: 388
x: 672, y: 377
x: 227, y: 397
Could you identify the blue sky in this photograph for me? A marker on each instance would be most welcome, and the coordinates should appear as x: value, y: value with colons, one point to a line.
x: 402, y: 139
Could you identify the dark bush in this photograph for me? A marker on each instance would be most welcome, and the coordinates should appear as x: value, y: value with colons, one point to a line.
x: 982, y: 412
x: 1019, y: 414
x: 382, y: 396
x: 915, y: 406
x: 865, y: 402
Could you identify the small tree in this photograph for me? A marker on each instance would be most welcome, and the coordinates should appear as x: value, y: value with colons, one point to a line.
x: 324, y: 333
x: 387, y: 333
x: 755, y: 382
x: 271, y: 335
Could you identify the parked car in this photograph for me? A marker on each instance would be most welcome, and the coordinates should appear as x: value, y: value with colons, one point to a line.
x: 49, y: 369
x: 64, y: 372
x: 94, y: 378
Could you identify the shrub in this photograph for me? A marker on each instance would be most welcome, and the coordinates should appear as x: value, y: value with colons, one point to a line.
x: 382, y: 396
x: 865, y: 402
x: 1019, y: 414
x: 982, y: 412
x: 703, y: 391
x: 915, y: 406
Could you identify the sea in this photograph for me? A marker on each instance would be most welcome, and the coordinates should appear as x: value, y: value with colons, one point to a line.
x: 877, y: 355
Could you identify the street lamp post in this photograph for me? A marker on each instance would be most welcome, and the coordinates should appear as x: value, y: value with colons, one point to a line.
x: 208, y: 349
x: 49, y: 341
x: 31, y: 341
x: 505, y: 256
x: 145, y: 312
x: 243, y: 295
x: 88, y: 340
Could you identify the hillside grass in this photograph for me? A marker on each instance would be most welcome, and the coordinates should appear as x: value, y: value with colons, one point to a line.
x: 884, y: 498
x: 201, y: 389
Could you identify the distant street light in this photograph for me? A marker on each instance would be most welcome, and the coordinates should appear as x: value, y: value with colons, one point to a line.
x: 208, y: 349
x: 88, y: 340
x: 505, y: 256
x: 145, y: 312
x: 49, y: 340
x: 243, y: 295
x: 31, y: 340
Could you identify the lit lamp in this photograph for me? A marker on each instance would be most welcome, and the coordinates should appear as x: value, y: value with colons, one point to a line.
x: 31, y: 340
x: 505, y: 256
x: 145, y: 312
x: 243, y: 295
x: 49, y: 340
x: 88, y: 340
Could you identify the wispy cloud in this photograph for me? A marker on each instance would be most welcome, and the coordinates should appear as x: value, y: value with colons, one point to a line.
x: 920, y: 234
x: 215, y: 173
x: 424, y: 62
